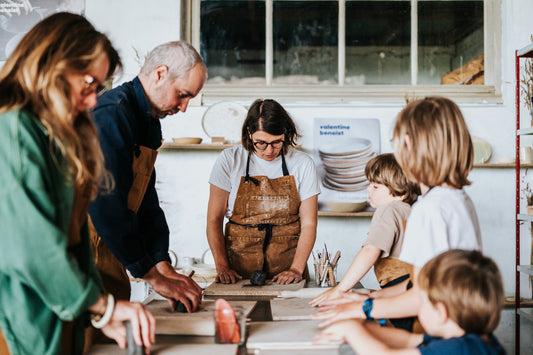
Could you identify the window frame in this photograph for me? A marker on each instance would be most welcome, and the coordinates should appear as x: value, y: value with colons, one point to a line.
x: 490, y: 92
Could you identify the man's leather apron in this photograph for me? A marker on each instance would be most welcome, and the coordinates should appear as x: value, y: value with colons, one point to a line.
x: 264, y: 229
x: 112, y: 272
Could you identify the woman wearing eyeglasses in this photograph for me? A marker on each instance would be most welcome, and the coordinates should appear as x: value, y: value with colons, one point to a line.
x: 268, y: 191
x: 51, y: 166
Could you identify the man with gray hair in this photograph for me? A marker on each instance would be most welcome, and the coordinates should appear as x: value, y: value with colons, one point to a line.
x: 130, y: 230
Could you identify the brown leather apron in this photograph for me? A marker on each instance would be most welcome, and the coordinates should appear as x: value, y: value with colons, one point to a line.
x: 112, y: 272
x: 264, y: 229
x: 388, y: 269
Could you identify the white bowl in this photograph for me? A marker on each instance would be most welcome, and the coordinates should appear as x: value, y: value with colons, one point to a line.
x: 346, y: 206
x: 349, y: 146
x: 187, y: 140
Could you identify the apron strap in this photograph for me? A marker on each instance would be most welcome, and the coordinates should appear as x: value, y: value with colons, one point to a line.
x: 267, y: 227
x: 284, y: 165
x: 268, y: 235
x: 248, y: 177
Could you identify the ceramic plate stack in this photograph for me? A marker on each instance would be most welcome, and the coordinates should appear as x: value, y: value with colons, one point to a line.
x: 344, y: 164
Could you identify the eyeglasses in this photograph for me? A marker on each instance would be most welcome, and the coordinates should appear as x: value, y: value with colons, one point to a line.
x: 263, y: 145
x: 92, y: 85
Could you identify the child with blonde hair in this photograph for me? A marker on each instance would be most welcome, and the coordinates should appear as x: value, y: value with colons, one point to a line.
x: 461, y: 296
x: 434, y: 148
x: 392, y: 195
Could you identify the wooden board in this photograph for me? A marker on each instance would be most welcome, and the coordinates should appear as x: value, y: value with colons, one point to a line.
x: 162, y: 348
x: 285, y: 335
x: 200, y: 322
x: 243, y: 288
x: 344, y: 349
x: 291, y: 309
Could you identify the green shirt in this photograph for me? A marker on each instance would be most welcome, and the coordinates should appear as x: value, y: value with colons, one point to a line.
x: 41, y: 282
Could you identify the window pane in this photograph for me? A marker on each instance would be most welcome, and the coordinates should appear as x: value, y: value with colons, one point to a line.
x: 305, y: 35
x: 450, y: 42
x: 232, y: 41
x: 378, y: 39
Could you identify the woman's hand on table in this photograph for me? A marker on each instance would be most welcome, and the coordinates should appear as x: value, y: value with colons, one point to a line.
x: 344, y: 297
x: 338, y: 331
x: 287, y: 277
x: 226, y: 275
x: 142, y: 324
x: 331, y: 294
x: 331, y: 314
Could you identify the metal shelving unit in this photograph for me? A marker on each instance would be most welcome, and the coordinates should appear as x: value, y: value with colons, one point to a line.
x: 527, y: 313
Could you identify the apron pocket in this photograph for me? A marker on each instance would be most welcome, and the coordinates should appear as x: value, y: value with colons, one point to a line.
x: 245, y: 254
x: 280, y: 253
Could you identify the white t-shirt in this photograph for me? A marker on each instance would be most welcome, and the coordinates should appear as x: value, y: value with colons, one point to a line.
x: 442, y: 219
x: 231, y: 166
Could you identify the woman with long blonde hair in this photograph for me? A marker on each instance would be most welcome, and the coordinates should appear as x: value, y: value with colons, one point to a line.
x: 51, y: 166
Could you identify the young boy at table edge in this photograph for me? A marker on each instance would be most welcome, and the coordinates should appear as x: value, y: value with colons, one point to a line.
x: 461, y: 302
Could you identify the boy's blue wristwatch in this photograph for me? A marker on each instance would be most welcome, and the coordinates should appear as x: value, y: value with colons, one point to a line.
x: 367, y: 308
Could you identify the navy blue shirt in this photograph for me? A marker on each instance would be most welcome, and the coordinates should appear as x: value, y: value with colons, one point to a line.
x: 138, y: 240
x: 468, y: 344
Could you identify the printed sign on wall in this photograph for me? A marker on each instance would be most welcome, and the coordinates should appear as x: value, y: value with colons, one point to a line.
x: 342, y: 147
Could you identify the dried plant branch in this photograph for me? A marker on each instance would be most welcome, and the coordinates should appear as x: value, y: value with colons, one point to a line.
x: 408, y: 99
x: 526, y: 190
x: 526, y: 83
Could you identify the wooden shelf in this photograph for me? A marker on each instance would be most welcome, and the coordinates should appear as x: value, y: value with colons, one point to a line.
x: 524, y: 217
x: 526, y: 269
x: 526, y: 313
x: 525, y: 52
x: 501, y: 165
x: 524, y: 302
x: 345, y: 214
x: 204, y: 146
x: 525, y: 131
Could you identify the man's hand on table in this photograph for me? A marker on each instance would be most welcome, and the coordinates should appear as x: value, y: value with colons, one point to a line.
x: 174, y: 286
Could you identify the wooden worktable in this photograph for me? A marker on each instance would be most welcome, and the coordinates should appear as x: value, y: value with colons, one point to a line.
x: 264, y: 336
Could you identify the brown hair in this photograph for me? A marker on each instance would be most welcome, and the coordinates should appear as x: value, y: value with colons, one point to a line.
x: 33, y: 78
x: 441, y: 149
x: 469, y: 285
x: 270, y: 117
x: 384, y: 169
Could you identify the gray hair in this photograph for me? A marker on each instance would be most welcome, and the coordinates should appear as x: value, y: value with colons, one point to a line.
x: 178, y: 56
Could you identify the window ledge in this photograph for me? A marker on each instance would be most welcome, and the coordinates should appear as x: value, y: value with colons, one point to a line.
x: 315, y: 94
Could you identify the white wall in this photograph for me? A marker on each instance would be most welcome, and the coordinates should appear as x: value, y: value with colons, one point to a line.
x: 182, y: 175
